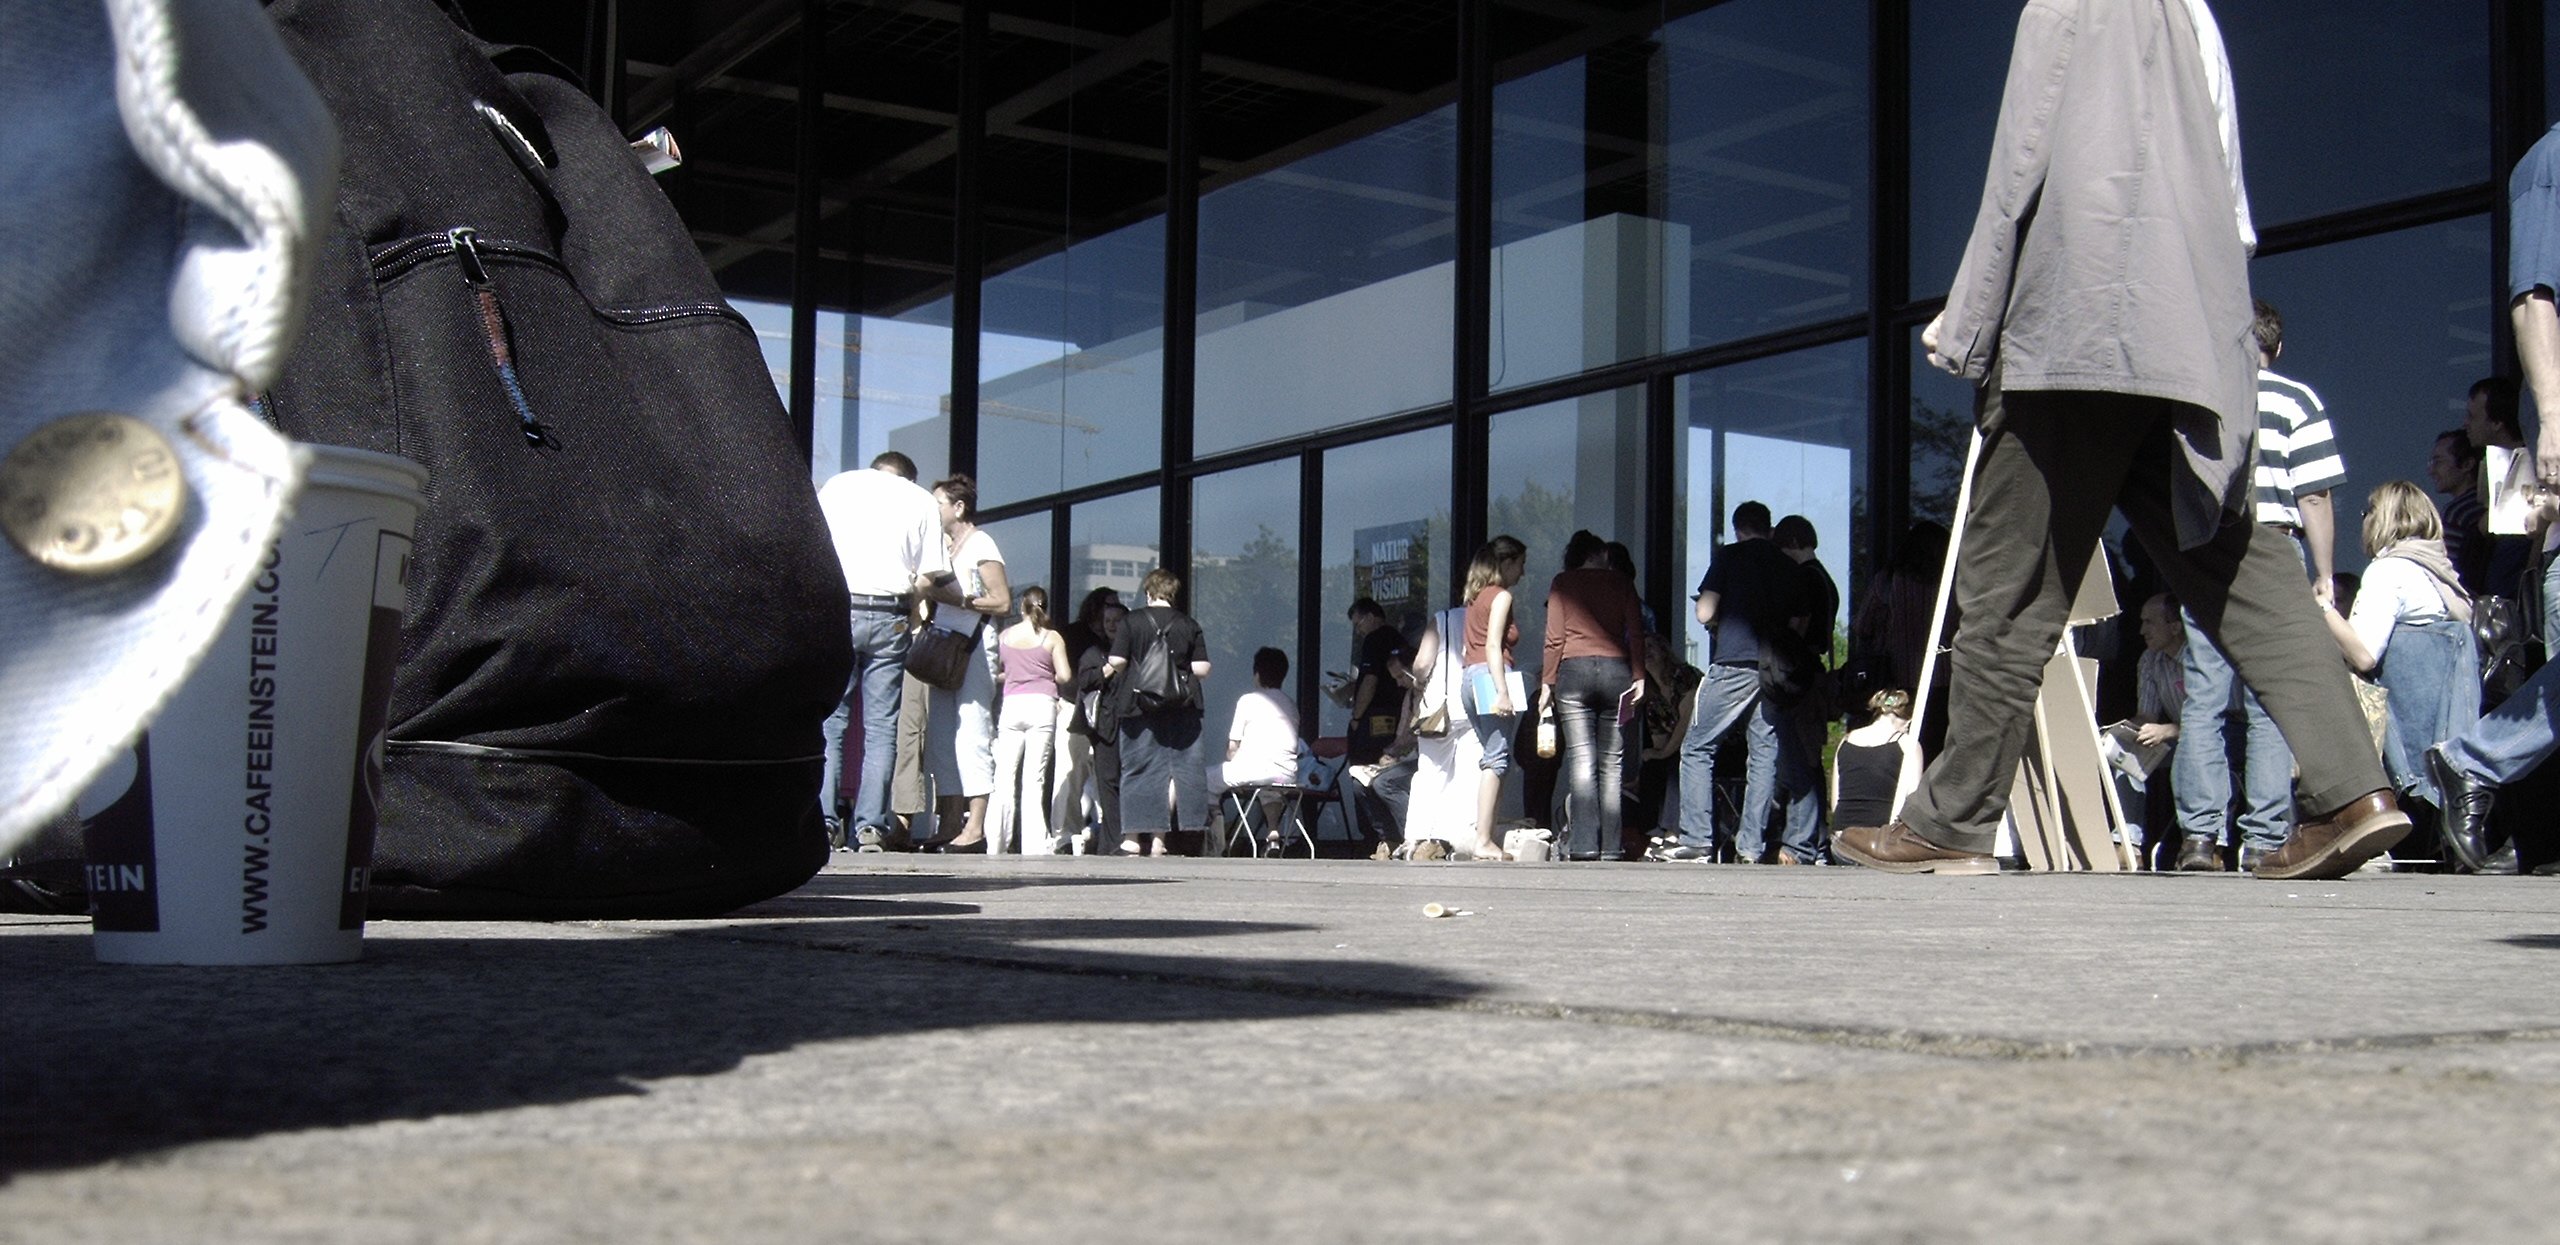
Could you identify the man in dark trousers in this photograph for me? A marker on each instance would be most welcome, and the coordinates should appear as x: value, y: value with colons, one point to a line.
x: 2103, y: 311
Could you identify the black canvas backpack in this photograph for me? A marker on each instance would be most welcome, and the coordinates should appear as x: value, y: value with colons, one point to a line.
x: 626, y: 622
x: 1158, y: 683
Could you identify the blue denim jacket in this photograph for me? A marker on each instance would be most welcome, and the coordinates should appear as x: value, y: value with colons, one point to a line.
x: 163, y: 166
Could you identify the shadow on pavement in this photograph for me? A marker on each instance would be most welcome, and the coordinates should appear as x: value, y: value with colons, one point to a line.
x: 102, y: 1062
x: 943, y: 883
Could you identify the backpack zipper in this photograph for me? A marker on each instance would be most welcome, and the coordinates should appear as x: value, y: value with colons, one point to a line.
x: 495, y: 334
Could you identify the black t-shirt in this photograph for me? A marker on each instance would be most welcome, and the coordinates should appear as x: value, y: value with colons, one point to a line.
x: 1757, y: 589
x: 1822, y: 609
x: 1184, y: 644
x: 1383, y: 647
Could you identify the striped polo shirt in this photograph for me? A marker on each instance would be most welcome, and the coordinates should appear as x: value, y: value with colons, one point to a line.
x: 2297, y: 453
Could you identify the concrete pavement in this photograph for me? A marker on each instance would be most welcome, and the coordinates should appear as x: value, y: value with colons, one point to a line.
x: 930, y: 1049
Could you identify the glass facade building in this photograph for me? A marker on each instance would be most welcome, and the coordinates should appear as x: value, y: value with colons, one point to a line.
x: 1306, y: 299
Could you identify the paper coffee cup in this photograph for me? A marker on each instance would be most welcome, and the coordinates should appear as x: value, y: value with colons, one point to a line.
x: 240, y: 828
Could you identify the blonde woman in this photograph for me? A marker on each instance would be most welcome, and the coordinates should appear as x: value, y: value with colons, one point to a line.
x: 1491, y: 631
x: 1036, y: 673
x: 2411, y: 632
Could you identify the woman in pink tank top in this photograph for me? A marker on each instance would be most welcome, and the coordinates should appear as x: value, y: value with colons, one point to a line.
x: 1036, y: 673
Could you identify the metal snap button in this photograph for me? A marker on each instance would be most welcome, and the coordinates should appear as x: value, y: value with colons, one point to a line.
x: 92, y: 493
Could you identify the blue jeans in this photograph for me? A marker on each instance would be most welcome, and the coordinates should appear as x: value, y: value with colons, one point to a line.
x: 2515, y: 737
x: 879, y: 673
x: 2432, y: 671
x: 2200, y: 771
x: 1729, y: 697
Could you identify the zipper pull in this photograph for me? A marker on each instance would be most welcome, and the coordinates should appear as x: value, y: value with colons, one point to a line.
x: 466, y: 248
x: 496, y: 335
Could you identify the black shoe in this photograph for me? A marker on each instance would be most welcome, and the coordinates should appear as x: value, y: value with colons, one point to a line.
x: 2465, y: 824
x: 2198, y: 854
x: 2501, y: 863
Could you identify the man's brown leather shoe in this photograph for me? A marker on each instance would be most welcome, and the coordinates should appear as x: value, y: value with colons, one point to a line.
x: 1897, y: 848
x: 2336, y: 845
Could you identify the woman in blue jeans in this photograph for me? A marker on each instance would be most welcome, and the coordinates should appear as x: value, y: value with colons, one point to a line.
x: 1595, y: 632
x: 1491, y: 631
x: 2411, y: 632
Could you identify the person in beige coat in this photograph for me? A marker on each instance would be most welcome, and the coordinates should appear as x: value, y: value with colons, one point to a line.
x: 2102, y: 309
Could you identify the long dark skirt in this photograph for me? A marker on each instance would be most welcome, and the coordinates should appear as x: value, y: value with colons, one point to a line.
x: 1156, y: 750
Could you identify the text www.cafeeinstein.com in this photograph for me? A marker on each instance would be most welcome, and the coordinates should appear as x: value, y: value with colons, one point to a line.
x: 259, y: 821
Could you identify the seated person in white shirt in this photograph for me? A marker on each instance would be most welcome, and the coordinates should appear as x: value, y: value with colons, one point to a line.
x: 1262, y: 744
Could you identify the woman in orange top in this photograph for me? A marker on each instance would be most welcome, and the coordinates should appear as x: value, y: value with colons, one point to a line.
x: 1490, y: 711
x: 1595, y: 632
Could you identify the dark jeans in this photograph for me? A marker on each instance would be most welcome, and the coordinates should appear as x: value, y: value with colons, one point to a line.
x: 1586, y: 693
x: 2053, y: 464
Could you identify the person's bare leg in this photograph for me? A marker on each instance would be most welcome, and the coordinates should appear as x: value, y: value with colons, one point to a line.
x: 1488, y: 795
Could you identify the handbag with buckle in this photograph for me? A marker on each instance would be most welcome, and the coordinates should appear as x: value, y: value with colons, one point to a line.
x: 940, y: 655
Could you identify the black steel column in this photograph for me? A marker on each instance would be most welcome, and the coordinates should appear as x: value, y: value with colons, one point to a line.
x: 603, y: 66
x: 1181, y: 277
x: 1474, y: 294
x: 968, y: 235
x: 1310, y: 593
x: 808, y: 183
x: 1889, y: 361
x: 2516, y: 121
x: 1661, y: 573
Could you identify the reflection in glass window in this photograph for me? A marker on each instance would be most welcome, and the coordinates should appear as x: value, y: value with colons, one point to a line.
x: 1680, y: 185
x: 1386, y: 536
x: 1959, y: 60
x: 2394, y: 370
x: 1112, y: 543
x: 1024, y: 541
x: 1071, y: 365
x: 1325, y: 287
x: 1244, y: 578
x: 881, y: 384
x: 1558, y: 468
x: 1942, y: 408
x: 1789, y: 432
x: 2345, y: 103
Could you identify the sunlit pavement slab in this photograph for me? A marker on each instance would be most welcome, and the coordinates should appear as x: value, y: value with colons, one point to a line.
x: 915, y: 1048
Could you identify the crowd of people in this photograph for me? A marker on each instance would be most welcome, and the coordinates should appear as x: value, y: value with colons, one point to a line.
x: 2307, y: 723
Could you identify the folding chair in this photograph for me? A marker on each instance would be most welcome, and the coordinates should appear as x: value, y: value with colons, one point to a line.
x: 1268, y: 799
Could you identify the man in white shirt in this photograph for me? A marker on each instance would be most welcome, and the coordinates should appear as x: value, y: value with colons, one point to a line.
x: 888, y: 536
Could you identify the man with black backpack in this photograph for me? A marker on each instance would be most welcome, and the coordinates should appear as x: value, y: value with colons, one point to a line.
x: 888, y: 535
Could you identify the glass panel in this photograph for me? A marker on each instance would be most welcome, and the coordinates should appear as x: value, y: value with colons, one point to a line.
x: 1941, y: 433
x: 1680, y: 185
x: 1560, y: 467
x: 1386, y: 535
x: 883, y: 282
x: 2335, y: 113
x: 1789, y: 432
x: 1071, y: 359
x: 1328, y: 217
x: 1244, y: 577
x: 1024, y: 542
x: 1959, y: 59
x: 1111, y: 543
x: 2392, y: 371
